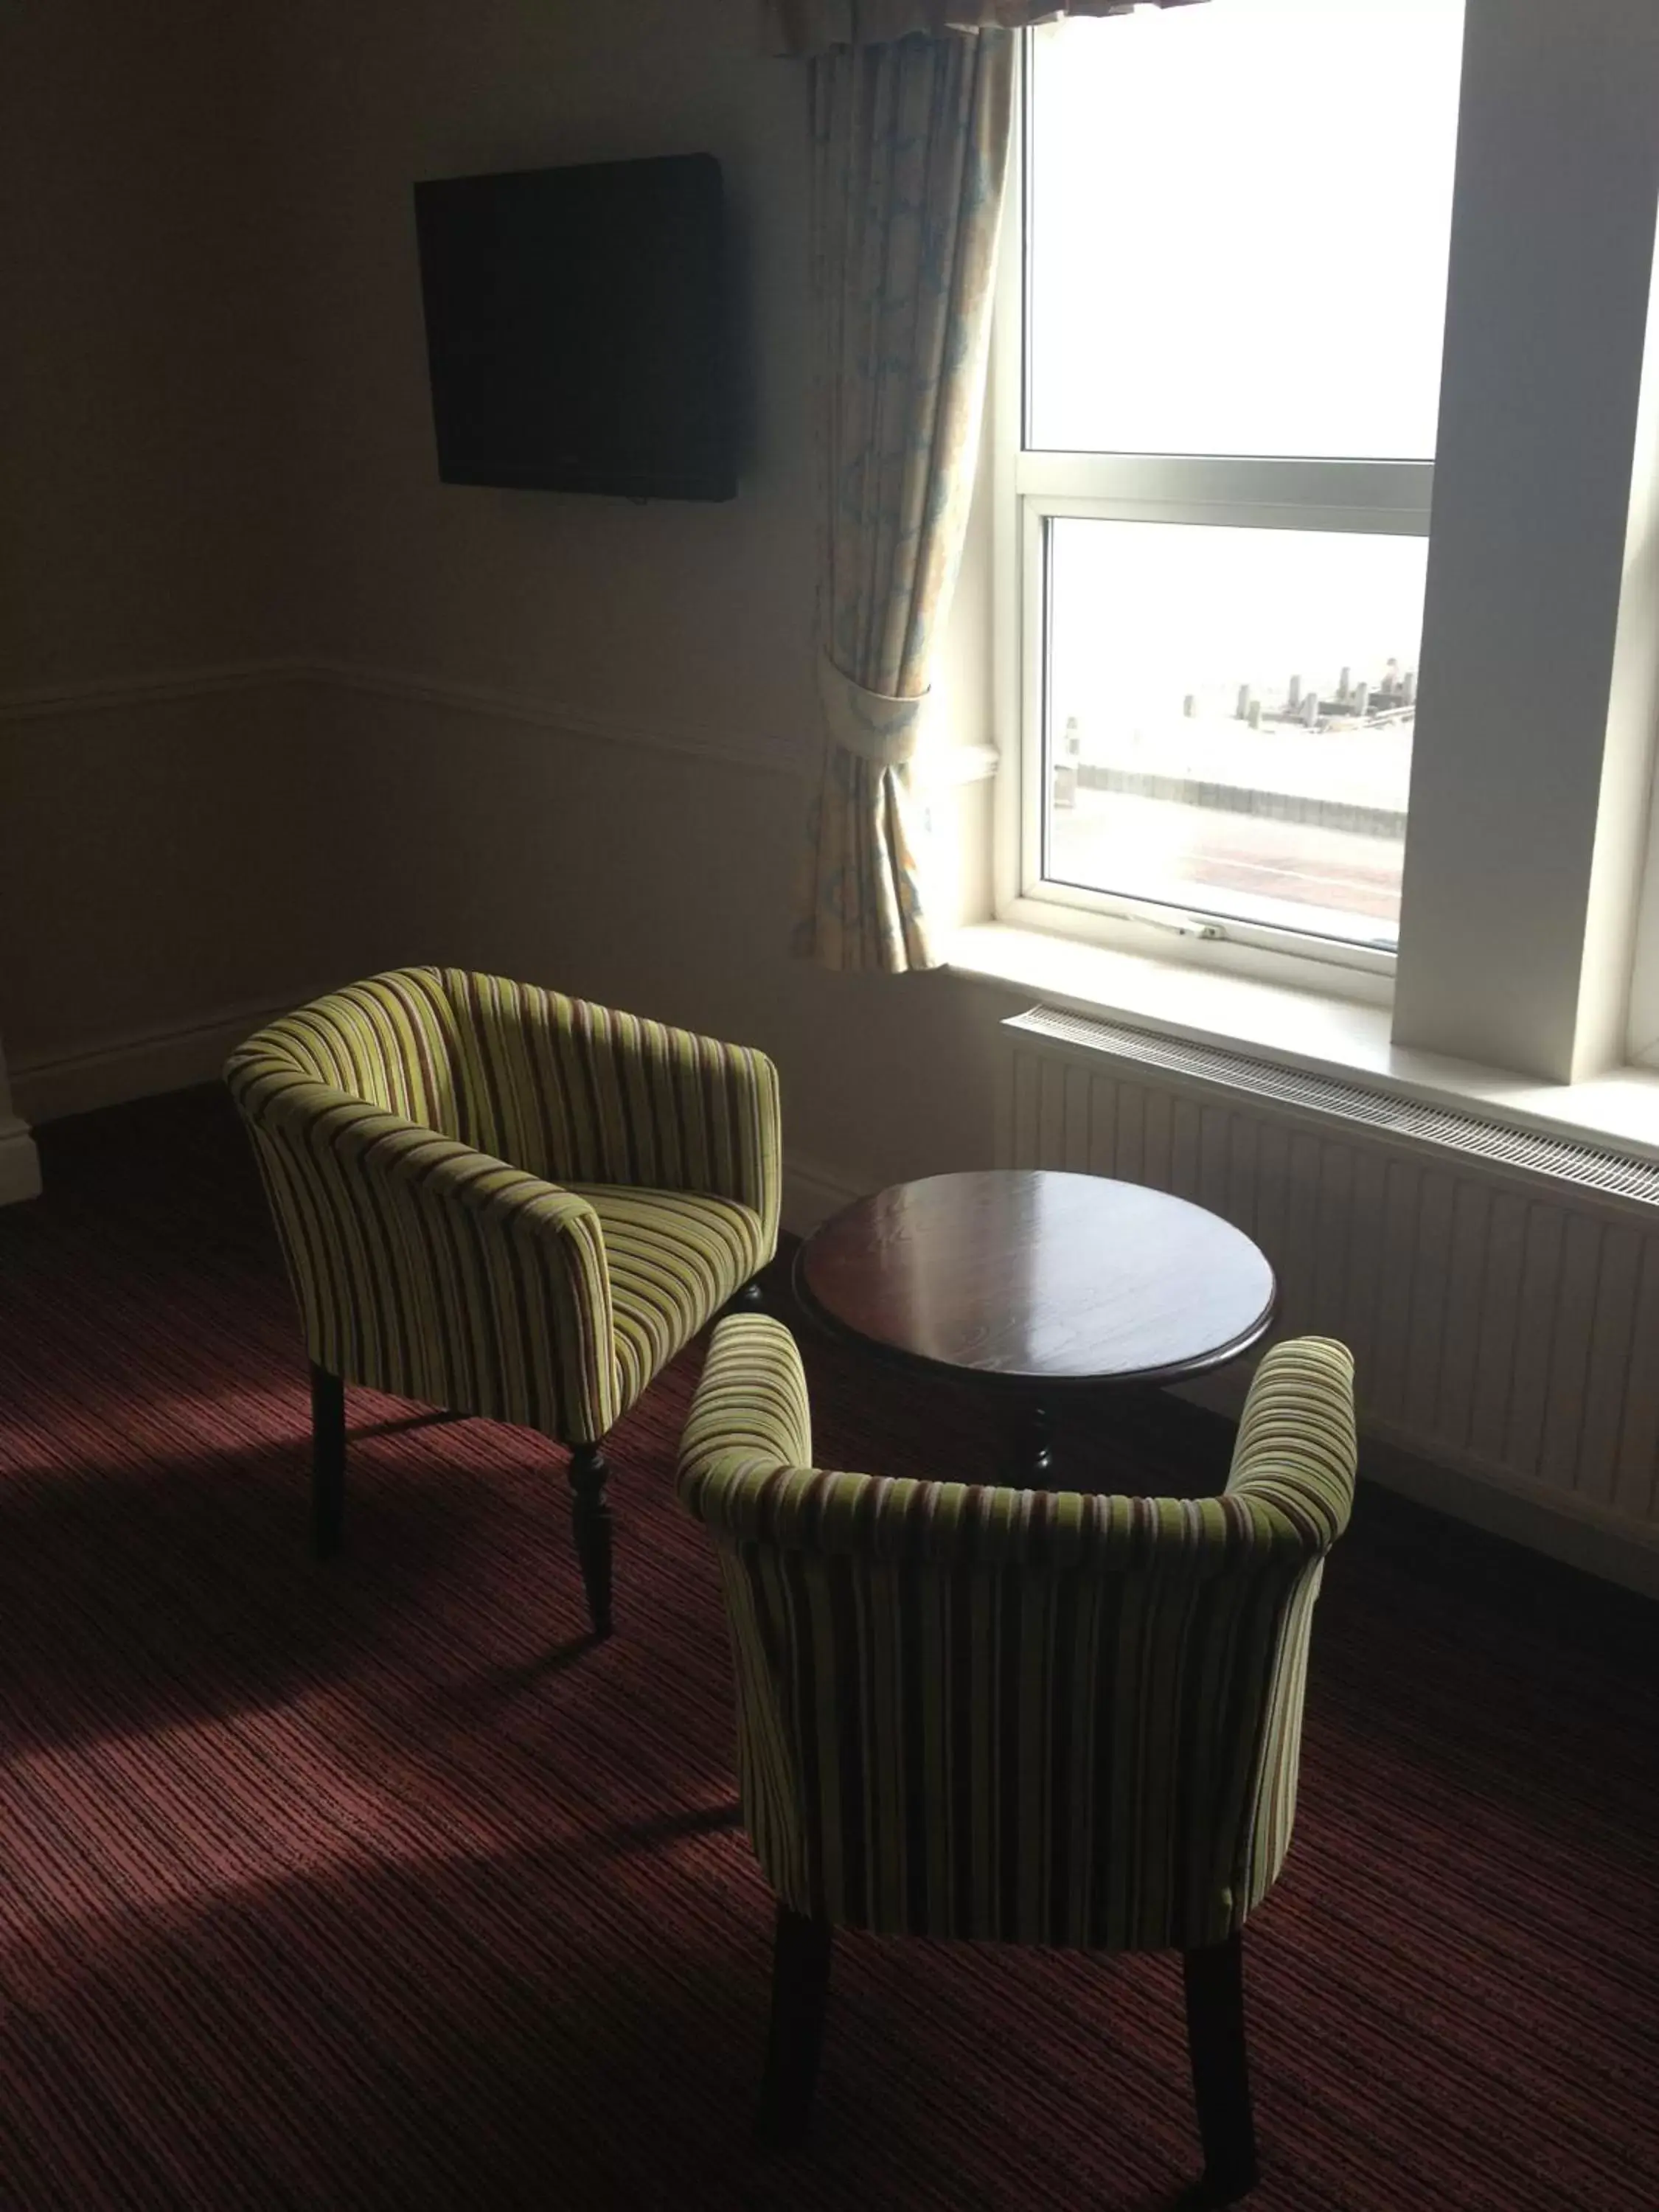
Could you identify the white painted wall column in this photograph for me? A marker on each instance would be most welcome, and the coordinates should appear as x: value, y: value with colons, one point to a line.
x: 1636, y: 688
x: 1520, y: 885
x: 20, y: 1164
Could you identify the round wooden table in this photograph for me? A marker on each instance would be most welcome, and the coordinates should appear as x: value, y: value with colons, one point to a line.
x: 1038, y: 1286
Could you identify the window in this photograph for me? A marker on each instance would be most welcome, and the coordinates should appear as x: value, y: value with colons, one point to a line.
x: 1229, y: 310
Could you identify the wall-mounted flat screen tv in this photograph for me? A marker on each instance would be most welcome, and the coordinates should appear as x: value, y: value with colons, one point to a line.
x: 576, y: 329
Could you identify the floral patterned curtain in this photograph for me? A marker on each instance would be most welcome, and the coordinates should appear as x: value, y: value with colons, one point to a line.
x: 813, y: 26
x: 910, y: 150
x: 912, y: 102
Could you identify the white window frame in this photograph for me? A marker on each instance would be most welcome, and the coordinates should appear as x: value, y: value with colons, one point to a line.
x: 1035, y: 484
x: 1535, y: 751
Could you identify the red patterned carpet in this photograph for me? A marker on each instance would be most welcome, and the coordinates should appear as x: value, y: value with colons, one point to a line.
x: 372, y: 1886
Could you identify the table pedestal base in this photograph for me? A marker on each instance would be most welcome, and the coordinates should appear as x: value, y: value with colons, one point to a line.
x: 1036, y: 1456
x: 1033, y: 1467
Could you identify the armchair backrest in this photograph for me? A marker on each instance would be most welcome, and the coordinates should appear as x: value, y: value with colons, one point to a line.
x: 392, y: 1041
x: 582, y: 1093
x: 567, y: 1091
x: 1041, y: 1717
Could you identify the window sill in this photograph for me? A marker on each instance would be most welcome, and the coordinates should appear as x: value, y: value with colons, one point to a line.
x: 1330, y: 1035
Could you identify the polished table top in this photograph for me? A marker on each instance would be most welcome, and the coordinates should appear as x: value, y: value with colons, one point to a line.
x: 1039, y: 1280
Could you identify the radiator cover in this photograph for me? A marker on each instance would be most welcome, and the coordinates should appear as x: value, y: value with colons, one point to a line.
x: 1499, y: 1289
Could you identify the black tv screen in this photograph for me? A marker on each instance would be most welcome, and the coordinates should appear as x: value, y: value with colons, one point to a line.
x: 575, y: 328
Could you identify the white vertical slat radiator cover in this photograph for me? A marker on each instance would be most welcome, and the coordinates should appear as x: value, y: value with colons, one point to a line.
x: 1499, y: 1290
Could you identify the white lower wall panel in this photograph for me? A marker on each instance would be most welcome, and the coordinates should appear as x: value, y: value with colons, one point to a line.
x: 1501, y: 1298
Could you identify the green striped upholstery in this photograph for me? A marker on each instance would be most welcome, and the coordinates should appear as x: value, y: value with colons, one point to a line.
x: 503, y: 1201
x: 674, y: 1259
x: 1018, y: 1714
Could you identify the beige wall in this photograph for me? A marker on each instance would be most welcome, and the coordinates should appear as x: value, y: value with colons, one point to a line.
x: 276, y: 707
x: 1524, y: 857
x: 684, y: 612
x: 145, y: 369
x: 223, y: 458
x: 147, y: 521
x: 660, y: 882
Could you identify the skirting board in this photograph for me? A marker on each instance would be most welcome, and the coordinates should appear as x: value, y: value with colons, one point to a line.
x: 140, y: 1066
x: 163, y: 1060
x: 20, y: 1164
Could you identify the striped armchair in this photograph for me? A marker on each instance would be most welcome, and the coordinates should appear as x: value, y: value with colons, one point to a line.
x: 1028, y: 1715
x: 504, y: 1202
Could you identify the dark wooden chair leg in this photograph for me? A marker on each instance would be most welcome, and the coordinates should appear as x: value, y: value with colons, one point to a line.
x: 800, y: 1985
x: 327, y: 1462
x: 1214, y: 1979
x: 752, y: 1298
x: 589, y: 1519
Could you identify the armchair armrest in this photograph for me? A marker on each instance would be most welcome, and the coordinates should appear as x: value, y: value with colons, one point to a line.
x: 1295, y: 1458
x: 434, y: 1271
x: 745, y: 1471
x: 750, y: 1413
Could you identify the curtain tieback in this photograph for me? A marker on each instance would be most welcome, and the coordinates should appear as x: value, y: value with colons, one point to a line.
x: 872, y: 724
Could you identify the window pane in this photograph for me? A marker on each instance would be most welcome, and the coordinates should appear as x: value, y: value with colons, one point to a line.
x: 1229, y: 719
x: 1238, y: 227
